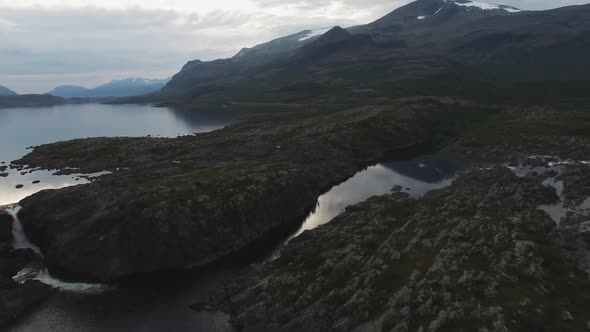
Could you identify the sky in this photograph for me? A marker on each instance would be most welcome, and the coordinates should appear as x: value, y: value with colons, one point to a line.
x: 46, y: 43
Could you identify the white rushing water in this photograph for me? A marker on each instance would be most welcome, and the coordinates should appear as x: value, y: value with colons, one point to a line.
x: 36, y: 270
x: 74, y: 287
x: 20, y: 239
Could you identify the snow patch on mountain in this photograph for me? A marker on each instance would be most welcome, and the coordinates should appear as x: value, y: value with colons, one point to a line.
x: 314, y: 33
x: 486, y: 6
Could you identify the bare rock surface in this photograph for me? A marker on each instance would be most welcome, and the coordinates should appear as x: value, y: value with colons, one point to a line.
x: 478, y: 255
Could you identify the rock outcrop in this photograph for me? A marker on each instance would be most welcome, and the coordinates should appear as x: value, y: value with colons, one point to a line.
x: 478, y: 255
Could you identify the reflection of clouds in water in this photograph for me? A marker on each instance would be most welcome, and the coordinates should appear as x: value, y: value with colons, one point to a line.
x: 556, y: 211
x: 9, y: 194
x: 12, y: 195
x: 25, y: 127
x: 379, y: 180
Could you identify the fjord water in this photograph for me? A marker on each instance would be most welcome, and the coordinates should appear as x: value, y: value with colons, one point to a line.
x: 24, y: 127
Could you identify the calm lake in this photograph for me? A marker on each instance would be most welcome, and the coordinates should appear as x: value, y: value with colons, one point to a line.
x: 24, y: 127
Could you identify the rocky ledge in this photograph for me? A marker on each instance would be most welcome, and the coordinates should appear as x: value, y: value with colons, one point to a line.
x: 478, y: 255
x: 15, y: 298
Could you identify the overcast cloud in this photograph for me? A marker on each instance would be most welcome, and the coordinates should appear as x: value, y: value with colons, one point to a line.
x: 54, y: 42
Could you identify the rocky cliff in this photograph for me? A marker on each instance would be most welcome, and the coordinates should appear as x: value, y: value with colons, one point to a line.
x: 15, y: 298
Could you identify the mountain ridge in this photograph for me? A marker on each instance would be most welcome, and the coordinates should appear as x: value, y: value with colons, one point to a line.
x: 429, y: 47
x: 4, y: 91
x: 116, y: 88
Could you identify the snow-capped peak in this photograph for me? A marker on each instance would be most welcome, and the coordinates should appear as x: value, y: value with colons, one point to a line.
x: 137, y: 81
x: 484, y: 5
x: 474, y: 4
x: 314, y: 33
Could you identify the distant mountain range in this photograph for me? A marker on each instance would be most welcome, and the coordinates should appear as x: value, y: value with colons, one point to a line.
x: 30, y: 101
x: 4, y: 91
x: 118, y: 88
x: 428, y: 47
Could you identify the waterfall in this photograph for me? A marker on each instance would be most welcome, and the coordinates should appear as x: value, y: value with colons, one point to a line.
x: 20, y: 239
x: 36, y: 270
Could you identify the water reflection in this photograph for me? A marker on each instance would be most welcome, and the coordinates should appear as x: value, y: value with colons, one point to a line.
x: 10, y: 194
x: 416, y: 177
x: 145, y: 305
x: 24, y: 127
x: 430, y: 168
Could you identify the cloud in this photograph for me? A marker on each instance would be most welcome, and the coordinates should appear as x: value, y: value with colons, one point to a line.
x: 6, y: 26
x: 89, y: 42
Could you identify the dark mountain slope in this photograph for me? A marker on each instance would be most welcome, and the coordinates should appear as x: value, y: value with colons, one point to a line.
x: 4, y: 91
x: 117, y: 88
x: 30, y: 101
x: 335, y: 41
x: 280, y: 45
x: 429, y: 13
x: 538, y: 45
x: 70, y: 91
x: 429, y: 47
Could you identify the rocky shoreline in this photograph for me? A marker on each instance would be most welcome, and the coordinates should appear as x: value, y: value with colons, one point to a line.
x: 16, y: 298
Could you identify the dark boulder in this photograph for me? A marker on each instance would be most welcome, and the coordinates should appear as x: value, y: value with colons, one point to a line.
x: 17, y: 299
x: 5, y: 227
